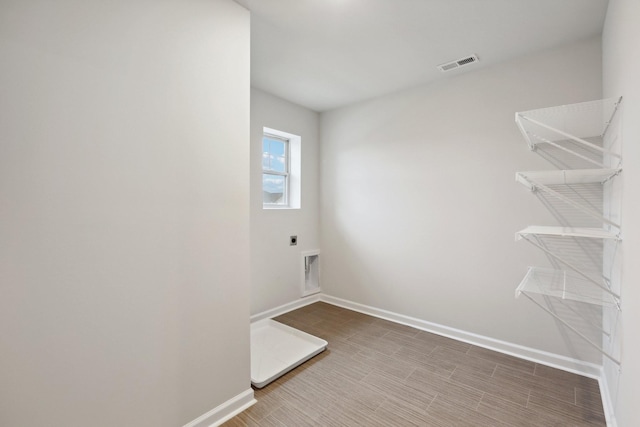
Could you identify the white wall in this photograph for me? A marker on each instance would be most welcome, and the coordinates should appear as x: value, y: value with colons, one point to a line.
x: 621, y: 68
x: 419, y: 203
x: 275, y: 266
x: 124, y: 191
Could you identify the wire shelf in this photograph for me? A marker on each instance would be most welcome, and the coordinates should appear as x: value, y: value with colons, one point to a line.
x: 565, y: 285
x: 575, y: 188
x: 586, y: 232
x: 583, y: 142
x: 578, y: 130
x: 566, y: 177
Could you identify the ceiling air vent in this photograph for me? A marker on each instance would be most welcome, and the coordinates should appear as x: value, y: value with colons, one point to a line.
x: 458, y: 63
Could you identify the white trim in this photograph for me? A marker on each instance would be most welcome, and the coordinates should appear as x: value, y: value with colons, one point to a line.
x: 224, y: 412
x: 285, y: 308
x: 293, y: 186
x: 564, y: 363
x: 607, y: 403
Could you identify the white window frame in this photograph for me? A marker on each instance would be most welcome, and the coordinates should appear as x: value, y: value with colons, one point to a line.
x: 292, y: 175
x: 285, y: 174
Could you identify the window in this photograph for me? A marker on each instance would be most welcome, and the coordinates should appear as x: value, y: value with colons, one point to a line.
x: 275, y: 170
x: 280, y: 169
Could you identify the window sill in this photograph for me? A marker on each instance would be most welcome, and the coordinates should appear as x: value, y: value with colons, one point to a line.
x: 276, y: 208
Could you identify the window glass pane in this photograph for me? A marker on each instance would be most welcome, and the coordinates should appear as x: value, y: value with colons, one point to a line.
x: 265, y: 153
x: 273, y: 189
x: 274, y: 155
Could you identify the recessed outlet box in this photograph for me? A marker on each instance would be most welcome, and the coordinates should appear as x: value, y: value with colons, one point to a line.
x: 293, y: 240
x: 310, y: 274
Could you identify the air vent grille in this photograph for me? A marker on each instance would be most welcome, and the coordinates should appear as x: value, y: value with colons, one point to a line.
x: 471, y: 59
x: 449, y: 66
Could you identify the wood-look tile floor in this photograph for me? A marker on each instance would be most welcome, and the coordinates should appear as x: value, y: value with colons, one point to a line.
x: 379, y: 373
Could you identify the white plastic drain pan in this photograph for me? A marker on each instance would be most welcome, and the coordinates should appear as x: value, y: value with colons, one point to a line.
x: 276, y: 349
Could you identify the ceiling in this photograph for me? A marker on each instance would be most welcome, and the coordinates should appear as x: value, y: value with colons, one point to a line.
x: 323, y: 54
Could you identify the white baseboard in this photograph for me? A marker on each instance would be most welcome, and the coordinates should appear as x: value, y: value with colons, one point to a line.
x: 545, y: 358
x: 285, y: 308
x: 224, y: 412
x: 607, y: 403
x: 564, y: 363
